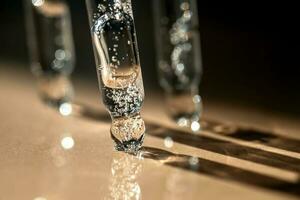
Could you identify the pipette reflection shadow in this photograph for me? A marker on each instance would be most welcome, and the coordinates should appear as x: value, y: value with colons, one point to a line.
x: 124, y: 172
x: 219, y: 170
x: 224, y: 147
x: 251, y: 134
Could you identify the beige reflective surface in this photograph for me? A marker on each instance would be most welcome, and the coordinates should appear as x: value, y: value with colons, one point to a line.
x: 47, y: 156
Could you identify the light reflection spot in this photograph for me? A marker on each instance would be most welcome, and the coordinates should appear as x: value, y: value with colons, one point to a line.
x: 194, y: 161
x: 65, y: 109
x: 38, y: 2
x: 60, y: 54
x: 185, y: 6
x: 182, y: 122
x: 195, y: 126
x: 197, y: 99
x: 168, y: 142
x: 67, y: 142
x: 187, y: 15
x: 180, y: 67
x: 57, y: 64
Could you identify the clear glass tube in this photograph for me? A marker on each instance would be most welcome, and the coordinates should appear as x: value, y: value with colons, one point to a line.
x: 179, y: 59
x: 118, y: 69
x: 51, y: 48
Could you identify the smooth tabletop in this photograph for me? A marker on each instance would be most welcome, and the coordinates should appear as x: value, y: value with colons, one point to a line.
x: 240, y: 153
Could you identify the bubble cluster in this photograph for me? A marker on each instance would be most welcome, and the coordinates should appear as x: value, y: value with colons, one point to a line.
x: 123, y: 102
x: 180, y: 38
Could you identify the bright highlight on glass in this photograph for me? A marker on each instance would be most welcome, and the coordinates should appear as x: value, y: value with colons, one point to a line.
x: 51, y: 48
x: 118, y: 68
x: 179, y: 59
x: 37, y: 2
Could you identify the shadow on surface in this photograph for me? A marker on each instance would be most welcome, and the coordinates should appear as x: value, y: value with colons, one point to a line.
x: 252, y: 135
x: 88, y: 112
x: 80, y: 110
x: 240, y: 133
x: 208, y: 167
x: 218, y: 170
x: 215, y: 145
x: 225, y: 147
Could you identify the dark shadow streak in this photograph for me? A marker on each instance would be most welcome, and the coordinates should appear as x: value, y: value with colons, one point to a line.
x: 225, y: 148
x: 210, y: 144
x: 253, y: 135
x: 211, y: 168
x: 85, y: 111
x: 80, y: 110
x: 220, y: 171
x: 240, y: 133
